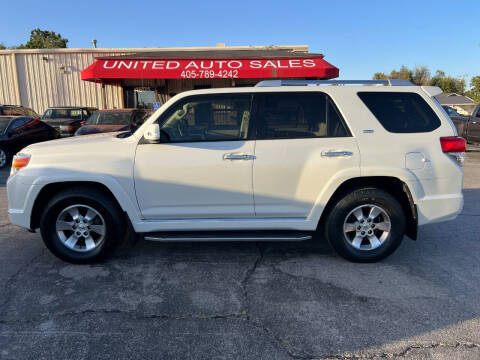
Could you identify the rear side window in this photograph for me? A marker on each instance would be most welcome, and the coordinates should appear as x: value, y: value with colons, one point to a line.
x: 401, y: 112
x: 297, y: 115
x: 13, y: 111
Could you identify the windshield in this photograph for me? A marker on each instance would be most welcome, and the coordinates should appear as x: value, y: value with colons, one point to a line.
x: 4, y: 124
x: 451, y: 111
x: 63, y: 114
x: 109, y: 118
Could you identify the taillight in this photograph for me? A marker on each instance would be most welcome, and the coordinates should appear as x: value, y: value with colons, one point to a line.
x: 20, y: 161
x: 455, y: 146
x: 68, y: 128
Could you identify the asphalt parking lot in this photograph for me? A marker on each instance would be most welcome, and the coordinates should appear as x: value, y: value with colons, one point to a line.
x: 246, y: 301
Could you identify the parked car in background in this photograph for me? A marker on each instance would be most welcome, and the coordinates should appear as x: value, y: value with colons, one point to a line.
x: 16, y: 132
x: 468, y: 127
x: 113, y: 120
x: 67, y: 120
x: 17, y: 110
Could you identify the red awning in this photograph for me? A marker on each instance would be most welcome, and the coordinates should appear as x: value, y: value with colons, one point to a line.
x: 210, y: 68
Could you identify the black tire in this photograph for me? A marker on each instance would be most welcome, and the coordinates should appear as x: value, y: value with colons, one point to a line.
x: 115, y: 224
x: 7, y: 158
x: 334, y: 225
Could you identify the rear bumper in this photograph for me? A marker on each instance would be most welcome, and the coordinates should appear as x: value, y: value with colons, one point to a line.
x: 432, y: 209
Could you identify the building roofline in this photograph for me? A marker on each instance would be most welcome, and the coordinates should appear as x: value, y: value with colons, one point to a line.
x: 293, y: 48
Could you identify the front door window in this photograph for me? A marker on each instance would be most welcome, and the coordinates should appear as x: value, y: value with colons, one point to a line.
x: 208, y: 118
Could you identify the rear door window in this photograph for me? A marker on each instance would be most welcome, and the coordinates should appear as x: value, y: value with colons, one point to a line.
x: 13, y: 111
x: 401, y: 112
x: 296, y: 115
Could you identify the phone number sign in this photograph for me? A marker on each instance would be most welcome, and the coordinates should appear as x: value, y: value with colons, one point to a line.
x: 209, y: 68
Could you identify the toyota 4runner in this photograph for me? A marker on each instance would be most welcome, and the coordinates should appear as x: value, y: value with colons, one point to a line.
x: 362, y: 162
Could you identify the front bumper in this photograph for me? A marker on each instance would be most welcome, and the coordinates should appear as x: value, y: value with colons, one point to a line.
x: 20, y: 201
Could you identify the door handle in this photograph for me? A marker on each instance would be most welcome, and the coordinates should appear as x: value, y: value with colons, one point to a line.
x: 238, y: 157
x: 337, y: 153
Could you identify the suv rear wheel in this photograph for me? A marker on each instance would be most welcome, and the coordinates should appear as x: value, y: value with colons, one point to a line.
x: 366, y: 226
x: 82, y: 225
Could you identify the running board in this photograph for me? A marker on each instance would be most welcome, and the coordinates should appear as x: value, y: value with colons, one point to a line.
x: 227, y: 236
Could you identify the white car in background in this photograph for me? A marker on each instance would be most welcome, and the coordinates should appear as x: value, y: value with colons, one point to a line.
x: 365, y: 165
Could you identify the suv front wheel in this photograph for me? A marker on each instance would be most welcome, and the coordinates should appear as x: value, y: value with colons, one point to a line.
x: 366, y: 225
x: 82, y: 225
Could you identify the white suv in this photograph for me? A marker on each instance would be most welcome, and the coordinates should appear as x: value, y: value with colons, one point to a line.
x: 364, y: 163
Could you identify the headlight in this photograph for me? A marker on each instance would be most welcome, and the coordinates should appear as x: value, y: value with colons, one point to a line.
x: 20, y: 161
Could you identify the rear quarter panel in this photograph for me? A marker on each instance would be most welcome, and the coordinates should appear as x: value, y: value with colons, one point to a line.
x: 385, y: 154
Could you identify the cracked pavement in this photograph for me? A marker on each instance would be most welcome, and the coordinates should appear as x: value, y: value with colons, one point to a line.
x: 248, y: 301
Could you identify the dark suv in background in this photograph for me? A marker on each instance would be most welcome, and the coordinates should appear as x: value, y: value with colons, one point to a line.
x: 17, y: 110
x: 66, y: 120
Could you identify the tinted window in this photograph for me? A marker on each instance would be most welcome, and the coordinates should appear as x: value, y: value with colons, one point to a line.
x: 12, y: 111
x: 63, y: 113
x: 401, y: 112
x: 31, y: 113
x: 109, y: 118
x: 18, y: 123
x: 297, y: 115
x: 4, y: 122
x: 451, y: 111
x: 140, y: 117
x: 208, y: 118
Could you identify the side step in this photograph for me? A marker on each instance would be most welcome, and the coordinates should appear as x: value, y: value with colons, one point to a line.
x: 214, y: 236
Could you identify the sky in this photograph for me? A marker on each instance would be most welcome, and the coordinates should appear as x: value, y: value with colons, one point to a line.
x: 359, y: 37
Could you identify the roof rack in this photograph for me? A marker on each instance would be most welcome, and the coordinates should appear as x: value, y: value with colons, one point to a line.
x: 389, y: 82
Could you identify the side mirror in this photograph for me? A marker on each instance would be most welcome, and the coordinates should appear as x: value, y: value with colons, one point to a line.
x: 152, y: 134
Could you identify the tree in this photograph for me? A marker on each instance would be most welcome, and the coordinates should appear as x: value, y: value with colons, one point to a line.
x: 2, y: 46
x: 421, y: 75
x: 44, y: 39
x: 474, y: 92
x: 448, y: 84
x: 380, y: 76
x: 404, y: 73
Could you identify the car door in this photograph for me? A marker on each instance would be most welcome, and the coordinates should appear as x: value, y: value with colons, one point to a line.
x: 16, y: 135
x: 202, y: 167
x: 474, y: 128
x: 302, y: 144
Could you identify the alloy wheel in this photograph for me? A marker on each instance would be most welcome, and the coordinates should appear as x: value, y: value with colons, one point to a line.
x: 366, y: 227
x: 80, y: 228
